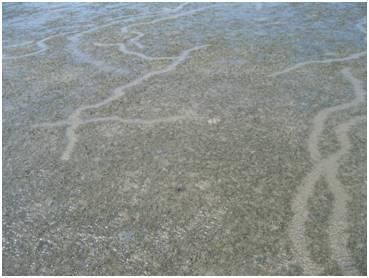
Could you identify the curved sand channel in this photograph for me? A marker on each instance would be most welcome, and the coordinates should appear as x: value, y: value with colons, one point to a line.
x: 328, y: 168
x: 74, y: 121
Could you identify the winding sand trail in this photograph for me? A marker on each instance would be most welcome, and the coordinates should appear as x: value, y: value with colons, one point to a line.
x: 188, y: 115
x: 74, y: 121
x: 21, y: 44
x: 178, y: 8
x: 171, y: 119
x: 321, y: 117
x: 122, y: 48
x: 136, y: 39
x: 325, y: 61
x: 139, y: 35
x: 43, y: 47
x: 41, y: 44
x: 360, y: 25
x: 327, y: 168
x: 86, y: 58
x: 338, y: 226
x: 170, y: 17
x: 102, y: 65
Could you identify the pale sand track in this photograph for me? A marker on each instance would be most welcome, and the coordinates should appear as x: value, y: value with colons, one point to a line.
x: 321, y: 117
x: 74, y: 119
x: 102, y: 65
x: 122, y: 48
x: 41, y: 44
x: 325, y: 61
x: 171, y: 119
x: 188, y: 115
x: 136, y: 39
x: 338, y: 227
x: 328, y: 168
x: 21, y: 44
x: 360, y: 25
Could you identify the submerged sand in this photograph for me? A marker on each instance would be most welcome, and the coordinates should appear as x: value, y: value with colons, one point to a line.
x: 184, y: 139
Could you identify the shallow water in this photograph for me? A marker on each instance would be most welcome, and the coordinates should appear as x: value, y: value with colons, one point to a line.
x: 184, y: 139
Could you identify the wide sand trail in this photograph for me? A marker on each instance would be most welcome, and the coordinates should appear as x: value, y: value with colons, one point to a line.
x: 327, y: 168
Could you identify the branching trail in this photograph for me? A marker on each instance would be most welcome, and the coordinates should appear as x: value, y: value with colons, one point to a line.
x: 41, y: 44
x: 43, y: 47
x: 170, y: 17
x: 321, y: 117
x: 136, y: 39
x: 337, y: 230
x: 101, y: 65
x: 74, y: 121
x: 339, y: 225
x: 84, y: 57
x: 138, y: 35
x: 327, y: 168
x: 122, y: 48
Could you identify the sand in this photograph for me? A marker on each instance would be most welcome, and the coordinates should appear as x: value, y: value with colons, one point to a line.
x: 184, y: 139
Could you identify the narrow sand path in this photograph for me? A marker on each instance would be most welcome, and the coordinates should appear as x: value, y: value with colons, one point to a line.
x: 74, y: 121
x: 122, y: 48
x: 21, y: 44
x: 338, y: 227
x: 327, y: 168
x: 41, y: 44
x: 361, y: 24
x: 171, y: 119
x: 324, y: 61
x: 83, y: 57
x: 86, y: 58
x: 43, y: 47
x: 321, y: 117
x: 187, y: 115
x: 337, y: 231
x: 136, y: 39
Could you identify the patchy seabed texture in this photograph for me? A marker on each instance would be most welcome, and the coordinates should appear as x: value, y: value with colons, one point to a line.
x: 184, y: 139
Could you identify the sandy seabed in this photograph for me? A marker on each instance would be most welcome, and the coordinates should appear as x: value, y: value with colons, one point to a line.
x: 184, y: 139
